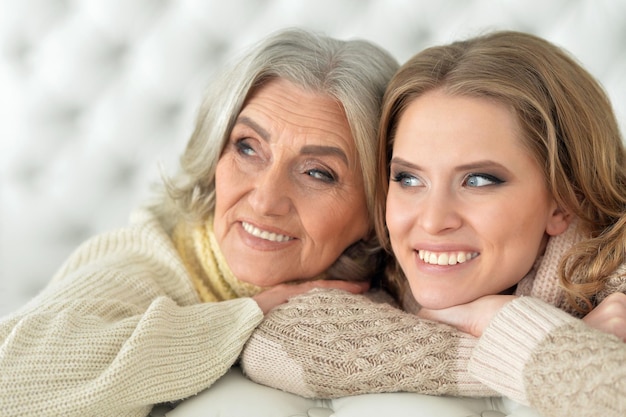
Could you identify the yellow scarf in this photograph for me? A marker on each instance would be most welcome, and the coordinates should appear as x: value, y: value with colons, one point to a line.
x: 209, y: 272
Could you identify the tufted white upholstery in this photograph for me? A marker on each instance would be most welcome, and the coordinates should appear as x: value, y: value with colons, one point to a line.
x: 95, y: 93
x: 223, y: 399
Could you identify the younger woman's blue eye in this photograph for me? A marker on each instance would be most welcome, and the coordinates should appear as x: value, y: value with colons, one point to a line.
x: 406, y: 180
x: 481, y: 180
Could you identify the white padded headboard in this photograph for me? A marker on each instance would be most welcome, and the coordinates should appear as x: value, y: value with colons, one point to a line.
x: 95, y: 93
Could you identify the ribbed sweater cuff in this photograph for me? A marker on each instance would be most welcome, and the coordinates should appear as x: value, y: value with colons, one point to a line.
x: 467, y: 384
x: 508, y: 342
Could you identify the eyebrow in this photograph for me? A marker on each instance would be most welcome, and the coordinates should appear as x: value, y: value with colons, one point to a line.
x: 254, y: 126
x: 400, y: 161
x: 314, y: 150
x: 318, y: 150
x: 472, y: 166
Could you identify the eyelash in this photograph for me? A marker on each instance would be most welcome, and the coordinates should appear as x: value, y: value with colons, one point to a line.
x: 491, y: 178
x: 403, y: 177
x: 328, y: 176
x: 243, y: 148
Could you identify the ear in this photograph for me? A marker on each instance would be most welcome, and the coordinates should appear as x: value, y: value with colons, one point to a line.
x: 558, y: 221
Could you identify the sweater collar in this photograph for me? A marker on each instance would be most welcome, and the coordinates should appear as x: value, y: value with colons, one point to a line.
x: 542, y: 282
x: 207, y: 267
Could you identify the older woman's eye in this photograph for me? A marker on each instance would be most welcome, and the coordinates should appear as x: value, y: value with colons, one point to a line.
x: 322, y: 175
x: 406, y: 180
x: 481, y: 180
x: 244, y: 148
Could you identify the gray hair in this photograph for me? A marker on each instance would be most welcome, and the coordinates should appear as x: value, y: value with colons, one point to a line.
x: 354, y: 72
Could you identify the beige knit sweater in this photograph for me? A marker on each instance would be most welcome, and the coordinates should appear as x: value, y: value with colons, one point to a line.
x: 119, y: 328
x: 329, y: 344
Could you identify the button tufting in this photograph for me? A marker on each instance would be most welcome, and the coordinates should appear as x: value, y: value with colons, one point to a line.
x: 103, y: 66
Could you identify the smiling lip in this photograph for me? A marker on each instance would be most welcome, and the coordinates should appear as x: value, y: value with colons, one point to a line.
x: 264, y: 234
x: 446, y: 258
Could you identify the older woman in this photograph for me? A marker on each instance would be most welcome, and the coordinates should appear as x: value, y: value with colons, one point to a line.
x: 275, y: 192
x: 504, y: 198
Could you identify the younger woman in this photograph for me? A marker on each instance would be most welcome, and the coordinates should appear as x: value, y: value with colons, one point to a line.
x: 504, y: 183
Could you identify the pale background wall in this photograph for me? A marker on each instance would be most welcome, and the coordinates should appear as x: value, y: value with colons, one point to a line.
x: 95, y: 93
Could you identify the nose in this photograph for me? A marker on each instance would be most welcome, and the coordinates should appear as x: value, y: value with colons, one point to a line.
x: 271, y: 193
x: 438, y: 212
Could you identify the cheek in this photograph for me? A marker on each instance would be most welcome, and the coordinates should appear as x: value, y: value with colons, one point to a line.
x: 399, y: 218
x: 227, y: 193
x: 335, y: 224
x: 347, y: 219
x: 516, y: 244
x: 363, y: 222
x: 530, y: 222
x: 227, y: 182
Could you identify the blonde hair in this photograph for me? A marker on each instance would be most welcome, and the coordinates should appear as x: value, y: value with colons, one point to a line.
x: 568, y: 125
x: 354, y: 72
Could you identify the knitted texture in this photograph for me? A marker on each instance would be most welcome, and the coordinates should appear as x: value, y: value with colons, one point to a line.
x: 543, y: 282
x: 544, y: 357
x: 119, y: 329
x: 581, y: 390
x: 328, y: 344
x: 343, y: 344
x: 206, y: 265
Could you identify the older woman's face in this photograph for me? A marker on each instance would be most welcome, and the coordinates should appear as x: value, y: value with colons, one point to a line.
x: 289, y: 189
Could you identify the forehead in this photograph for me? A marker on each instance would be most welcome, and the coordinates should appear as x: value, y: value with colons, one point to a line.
x: 439, y: 130
x: 283, y: 109
x: 448, y: 119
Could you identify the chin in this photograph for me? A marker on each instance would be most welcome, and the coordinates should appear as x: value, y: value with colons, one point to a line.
x: 435, y: 301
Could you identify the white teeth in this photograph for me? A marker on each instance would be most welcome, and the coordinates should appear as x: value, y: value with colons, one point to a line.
x: 446, y: 258
x: 256, y: 232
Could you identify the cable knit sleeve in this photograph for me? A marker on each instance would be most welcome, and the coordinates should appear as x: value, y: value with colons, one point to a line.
x: 118, y: 330
x: 329, y: 343
x: 541, y: 356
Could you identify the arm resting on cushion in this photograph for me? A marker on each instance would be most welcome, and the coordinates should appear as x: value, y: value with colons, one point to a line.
x: 329, y: 343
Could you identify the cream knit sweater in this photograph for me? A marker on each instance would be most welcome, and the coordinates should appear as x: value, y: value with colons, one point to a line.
x: 118, y: 329
x: 328, y: 344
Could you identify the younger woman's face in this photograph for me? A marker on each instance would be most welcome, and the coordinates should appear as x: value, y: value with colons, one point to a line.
x: 289, y: 189
x: 468, y: 210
